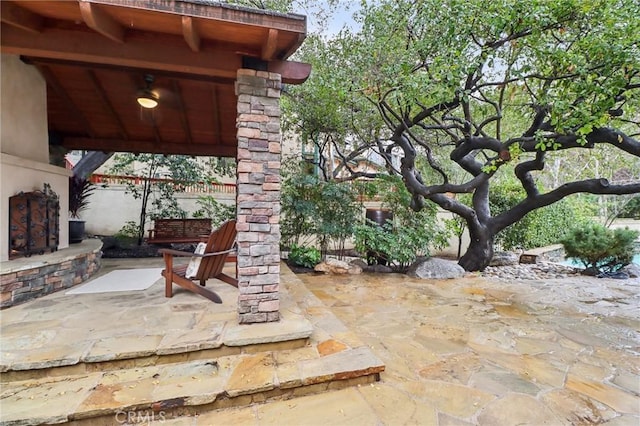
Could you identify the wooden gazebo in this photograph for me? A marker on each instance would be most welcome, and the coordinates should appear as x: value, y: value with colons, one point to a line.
x: 96, y: 54
x: 216, y: 71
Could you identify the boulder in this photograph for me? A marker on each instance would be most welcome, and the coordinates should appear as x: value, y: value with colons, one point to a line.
x: 338, y: 267
x: 504, y: 258
x: 633, y: 270
x: 434, y: 267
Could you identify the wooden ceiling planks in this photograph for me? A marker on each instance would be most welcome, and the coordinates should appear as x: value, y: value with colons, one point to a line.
x: 94, y: 55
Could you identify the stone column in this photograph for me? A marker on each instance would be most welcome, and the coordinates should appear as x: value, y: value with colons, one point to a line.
x: 258, y: 195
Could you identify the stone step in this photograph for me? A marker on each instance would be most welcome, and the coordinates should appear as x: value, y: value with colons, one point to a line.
x: 142, y: 348
x: 190, y: 387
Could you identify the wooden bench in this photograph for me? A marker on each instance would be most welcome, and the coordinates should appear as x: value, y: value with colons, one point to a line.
x: 173, y: 231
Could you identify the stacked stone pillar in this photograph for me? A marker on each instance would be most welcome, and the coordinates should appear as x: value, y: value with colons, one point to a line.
x: 258, y: 195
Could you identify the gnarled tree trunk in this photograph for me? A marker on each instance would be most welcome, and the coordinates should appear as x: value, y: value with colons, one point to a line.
x: 480, y: 251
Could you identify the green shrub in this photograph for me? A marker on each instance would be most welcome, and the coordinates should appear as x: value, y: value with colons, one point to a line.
x: 541, y: 227
x: 307, y: 257
x: 130, y: 230
x: 599, y: 248
x: 127, y: 236
x: 411, y: 234
x: 313, y: 208
x: 212, y: 209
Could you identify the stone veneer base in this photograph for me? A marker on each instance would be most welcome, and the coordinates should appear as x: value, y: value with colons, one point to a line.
x: 28, y: 278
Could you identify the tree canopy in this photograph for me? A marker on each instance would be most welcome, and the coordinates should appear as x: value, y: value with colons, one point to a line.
x: 464, y: 91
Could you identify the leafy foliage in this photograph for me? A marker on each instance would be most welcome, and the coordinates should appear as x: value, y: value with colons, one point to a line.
x: 474, y: 86
x: 80, y: 189
x: 129, y: 230
x: 631, y: 209
x: 313, y: 208
x: 163, y: 176
x: 599, y: 248
x: 411, y: 234
x: 539, y: 228
x: 307, y: 257
x: 215, y: 210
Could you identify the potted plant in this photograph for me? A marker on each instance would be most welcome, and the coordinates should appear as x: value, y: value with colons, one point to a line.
x: 79, y: 191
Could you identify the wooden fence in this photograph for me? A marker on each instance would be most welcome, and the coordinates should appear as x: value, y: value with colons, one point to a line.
x: 198, y: 187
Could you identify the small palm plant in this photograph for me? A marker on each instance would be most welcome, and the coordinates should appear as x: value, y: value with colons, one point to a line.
x: 79, y: 191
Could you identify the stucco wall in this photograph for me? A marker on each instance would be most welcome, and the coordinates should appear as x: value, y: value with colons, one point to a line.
x: 111, y: 207
x: 24, y: 111
x: 24, y: 144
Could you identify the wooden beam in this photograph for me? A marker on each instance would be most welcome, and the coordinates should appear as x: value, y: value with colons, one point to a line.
x: 120, y: 145
x: 293, y: 47
x: 19, y: 17
x: 31, y: 60
x: 190, y: 33
x: 291, y: 72
x: 55, y: 85
x: 104, y: 98
x: 99, y: 21
x: 166, y: 53
x: 182, y: 110
x: 154, y: 126
x: 269, y: 45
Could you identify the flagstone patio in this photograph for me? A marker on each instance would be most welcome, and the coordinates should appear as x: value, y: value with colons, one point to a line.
x: 475, y: 352
x: 85, y: 358
x: 471, y: 351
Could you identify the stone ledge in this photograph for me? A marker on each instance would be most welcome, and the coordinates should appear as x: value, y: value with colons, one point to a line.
x: 552, y: 253
x: 231, y: 381
x: 29, y: 278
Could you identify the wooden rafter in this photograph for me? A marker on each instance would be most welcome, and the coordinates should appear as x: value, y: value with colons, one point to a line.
x: 270, y: 44
x: 55, y: 85
x: 184, y: 120
x: 20, y: 18
x: 119, y: 145
x: 104, y: 98
x: 156, y: 131
x: 217, y: 126
x: 190, y: 33
x: 101, y: 22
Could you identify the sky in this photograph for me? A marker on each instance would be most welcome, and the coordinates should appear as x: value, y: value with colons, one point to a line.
x: 342, y: 17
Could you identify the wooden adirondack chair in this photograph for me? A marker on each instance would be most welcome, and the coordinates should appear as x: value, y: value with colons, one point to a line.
x: 218, y: 246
